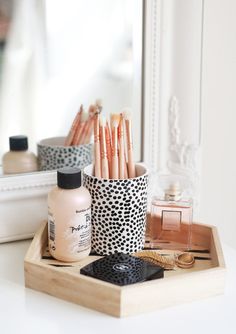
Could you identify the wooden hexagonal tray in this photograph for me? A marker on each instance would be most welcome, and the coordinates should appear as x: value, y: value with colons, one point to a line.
x: 63, y: 280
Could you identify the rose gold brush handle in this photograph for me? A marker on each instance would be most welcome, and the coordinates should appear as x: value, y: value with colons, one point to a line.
x: 122, y: 151
x: 79, y: 133
x: 125, y: 169
x: 89, y: 126
x: 97, y: 161
x: 89, y: 132
x: 76, y: 121
x: 83, y: 133
x: 105, y: 168
x: 92, y: 111
x: 108, y: 146
x: 125, y: 154
x: 114, y: 155
x: 131, y: 166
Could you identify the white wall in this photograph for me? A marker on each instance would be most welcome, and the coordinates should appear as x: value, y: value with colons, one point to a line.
x: 218, y: 177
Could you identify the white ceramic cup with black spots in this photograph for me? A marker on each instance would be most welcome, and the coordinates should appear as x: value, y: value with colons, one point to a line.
x: 52, y: 154
x: 119, y: 210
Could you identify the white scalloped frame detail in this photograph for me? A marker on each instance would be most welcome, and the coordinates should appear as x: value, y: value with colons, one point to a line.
x: 23, y: 204
x: 151, y: 83
x: 182, y: 155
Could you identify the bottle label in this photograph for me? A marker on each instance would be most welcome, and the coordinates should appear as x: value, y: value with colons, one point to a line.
x: 171, y: 220
x: 71, y: 237
x: 51, y: 231
x: 78, y: 232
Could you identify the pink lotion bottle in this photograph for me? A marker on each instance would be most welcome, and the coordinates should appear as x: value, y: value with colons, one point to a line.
x: 69, y: 217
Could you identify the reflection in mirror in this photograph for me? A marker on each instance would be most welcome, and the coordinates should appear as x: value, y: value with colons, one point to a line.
x: 57, y: 55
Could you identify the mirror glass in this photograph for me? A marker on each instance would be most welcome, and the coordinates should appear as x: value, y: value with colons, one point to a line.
x: 57, y: 55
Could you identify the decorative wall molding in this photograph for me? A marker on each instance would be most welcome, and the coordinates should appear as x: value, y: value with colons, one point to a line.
x: 151, y: 82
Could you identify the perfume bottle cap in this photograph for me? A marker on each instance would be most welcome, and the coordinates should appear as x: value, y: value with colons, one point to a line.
x: 173, y: 192
x: 18, y: 143
x: 69, y: 178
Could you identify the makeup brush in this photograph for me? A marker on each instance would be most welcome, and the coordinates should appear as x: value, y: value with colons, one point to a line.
x: 121, y: 148
x: 100, y: 138
x: 125, y: 168
x: 80, y: 128
x: 108, y: 144
x: 105, y: 168
x: 88, y: 128
x: 128, y: 126
x: 115, y: 118
x: 70, y: 136
x: 125, y: 151
x: 97, y: 160
x: 98, y: 104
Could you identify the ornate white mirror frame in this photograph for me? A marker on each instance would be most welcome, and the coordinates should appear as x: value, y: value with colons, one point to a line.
x: 172, y: 45
x: 172, y: 88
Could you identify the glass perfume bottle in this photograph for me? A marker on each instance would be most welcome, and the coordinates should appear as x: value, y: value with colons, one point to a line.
x: 171, y: 220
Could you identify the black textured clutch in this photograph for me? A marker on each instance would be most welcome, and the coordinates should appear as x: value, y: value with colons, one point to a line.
x: 122, y: 269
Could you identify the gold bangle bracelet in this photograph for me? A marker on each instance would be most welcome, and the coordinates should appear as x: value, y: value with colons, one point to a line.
x: 185, y: 260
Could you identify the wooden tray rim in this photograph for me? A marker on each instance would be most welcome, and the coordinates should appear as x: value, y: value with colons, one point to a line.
x: 39, y: 263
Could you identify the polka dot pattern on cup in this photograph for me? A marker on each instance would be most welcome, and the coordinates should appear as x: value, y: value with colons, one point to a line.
x: 53, y: 156
x: 118, y: 213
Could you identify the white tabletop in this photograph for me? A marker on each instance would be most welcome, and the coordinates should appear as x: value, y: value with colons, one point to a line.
x: 26, y: 311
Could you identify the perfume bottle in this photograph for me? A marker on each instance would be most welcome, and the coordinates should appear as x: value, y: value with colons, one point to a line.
x: 171, y: 220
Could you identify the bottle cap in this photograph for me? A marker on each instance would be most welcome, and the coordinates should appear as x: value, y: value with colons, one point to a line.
x: 69, y: 178
x: 173, y: 192
x: 18, y: 143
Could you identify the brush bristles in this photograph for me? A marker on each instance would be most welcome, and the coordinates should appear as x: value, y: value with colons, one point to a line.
x: 98, y: 103
x: 103, y: 121
x: 115, y: 119
x: 127, y: 114
x: 84, y: 117
x: 97, y: 110
x: 92, y: 110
